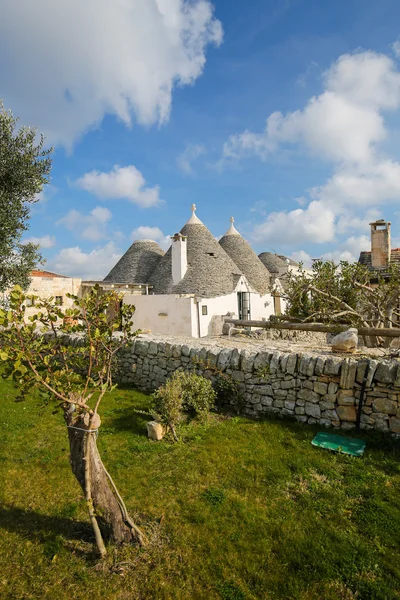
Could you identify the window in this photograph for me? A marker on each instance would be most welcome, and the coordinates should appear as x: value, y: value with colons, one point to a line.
x: 204, y: 310
x: 29, y: 301
x: 59, y: 300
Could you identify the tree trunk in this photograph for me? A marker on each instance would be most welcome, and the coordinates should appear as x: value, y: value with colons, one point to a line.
x: 106, y: 508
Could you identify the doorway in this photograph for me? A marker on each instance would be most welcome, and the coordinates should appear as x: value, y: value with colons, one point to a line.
x: 244, y: 306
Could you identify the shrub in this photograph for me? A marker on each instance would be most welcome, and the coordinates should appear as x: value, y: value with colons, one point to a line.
x: 167, y: 404
x: 183, y: 392
x: 198, y: 394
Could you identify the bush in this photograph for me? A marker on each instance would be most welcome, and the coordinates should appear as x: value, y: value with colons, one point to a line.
x: 167, y: 404
x: 183, y: 392
x: 198, y: 394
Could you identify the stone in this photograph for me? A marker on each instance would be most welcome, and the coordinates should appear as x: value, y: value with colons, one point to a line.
x: 290, y: 404
x: 291, y: 364
x: 185, y: 350
x: 325, y: 422
x: 346, y: 413
x: 238, y: 375
x: 348, y: 373
x: 325, y: 405
x: 332, y: 388
x: 304, y: 363
x: 280, y: 393
x: 278, y: 403
x: 348, y: 425
x: 274, y: 364
x: 381, y: 425
x: 235, y: 359
x: 345, y: 397
x: 155, y: 431
x: 283, y: 363
x: 346, y: 341
x: 361, y: 368
x: 373, y: 365
x: 385, y: 406
x: 319, y: 365
x: 330, y: 414
x: 395, y: 424
x: 153, y: 348
x: 141, y: 347
x: 266, y: 400
x: 386, y: 372
x: 308, y: 396
x: 265, y: 390
x: 313, y: 410
x: 287, y: 385
x: 301, y: 418
x: 308, y: 384
x: 261, y: 360
x: 311, y: 367
x: 320, y: 388
x: 176, y: 351
x: 332, y: 366
x: 224, y: 358
x: 299, y: 410
x: 212, y: 357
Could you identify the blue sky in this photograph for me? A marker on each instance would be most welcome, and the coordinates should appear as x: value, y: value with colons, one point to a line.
x: 282, y: 113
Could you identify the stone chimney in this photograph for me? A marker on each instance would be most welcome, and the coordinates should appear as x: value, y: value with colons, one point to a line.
x: 380, y: 243
x: 179, y: 257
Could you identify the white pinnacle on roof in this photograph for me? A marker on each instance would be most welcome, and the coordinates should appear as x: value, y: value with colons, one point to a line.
x: 194, y: 219
x: 232, y: 229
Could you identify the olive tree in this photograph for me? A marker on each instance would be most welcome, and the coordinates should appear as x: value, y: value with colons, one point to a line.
x: 37, y: 352
x: 345, y: 293
x: 24, y: 169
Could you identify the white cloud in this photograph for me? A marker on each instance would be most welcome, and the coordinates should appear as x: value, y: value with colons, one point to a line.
x: 302, y: 257
x: 121, y: 183
x: 47, y: 241
x: 315, y: 223
x: 188, y: 156
x: 65, y: 65
x: 92, y: 265
x: 89, y: 227
x: 396, y: 48
x: 344, y: 125
x: 348, y: 250
x: 151, y: 233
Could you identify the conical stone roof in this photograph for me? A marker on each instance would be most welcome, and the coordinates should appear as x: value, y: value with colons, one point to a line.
x: 136, y: 265
x: 246, y: 259
x: 274, y: 263
x: 210, y: 271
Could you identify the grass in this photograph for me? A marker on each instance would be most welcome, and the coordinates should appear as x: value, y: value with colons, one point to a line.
x: 237, y: 510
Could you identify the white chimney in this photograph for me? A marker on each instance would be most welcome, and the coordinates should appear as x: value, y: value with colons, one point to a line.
x: 179, y: 257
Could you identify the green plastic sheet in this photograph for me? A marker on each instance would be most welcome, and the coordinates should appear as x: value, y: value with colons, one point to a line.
x: 339, y: 443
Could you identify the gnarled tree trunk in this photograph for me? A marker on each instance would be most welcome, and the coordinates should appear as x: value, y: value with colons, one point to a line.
x: 107, y: 511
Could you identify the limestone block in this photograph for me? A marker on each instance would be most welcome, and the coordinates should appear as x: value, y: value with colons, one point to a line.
x: 235, y: 359
x: 373, y: 365
x: 320, y: 388
x: 301, y: 418
x: 345, y: 397
x: 346, y: 413
x: 325, y: 422
x: 385, y: 406
x: 381, y: 425
x: 224, y: 358
x: 361, y: 367
x: 290, y: 404
x: 332, y: 366
x: 280, y: 393
x: 332, y: 388
x: 395, y: 425
x: 313, y: 410
x: 155, y: 431
x: 304, y: 363
x: 276, y: 385
x: 278, y: 403
x: 265, y: 390
x: 348, y: 373
x: 287, y: 384
x: 366, y: 420
x: 141, y: 347
x: 312, y: 420
x: 153, y: 348
x: 299, y: 410
x: 386, y: 372
x: 266, y: 400
x: 319, y: 365
x: 311, y: 367
x: 308, y: 396
x: 286, y: 412
x: 346, y: 341
x: 291, y: 364
x: 283, y: 362
x: 326, y: 405
x: 274, y: 364
x: 347, y: 425
x: 330, y: 414
x: 261, y: 360
x: 308, y: 384
x: 238, y: 375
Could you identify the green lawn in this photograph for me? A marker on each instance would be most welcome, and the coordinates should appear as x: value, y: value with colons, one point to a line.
x: 236, y: 510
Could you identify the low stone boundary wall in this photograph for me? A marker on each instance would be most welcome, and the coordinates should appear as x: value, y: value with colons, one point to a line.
x: 322, y: 389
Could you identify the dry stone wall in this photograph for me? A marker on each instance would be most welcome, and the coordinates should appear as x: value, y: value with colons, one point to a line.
x: 323, y: 389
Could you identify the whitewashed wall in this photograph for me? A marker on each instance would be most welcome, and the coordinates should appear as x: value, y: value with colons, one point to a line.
x: 164, y: 313
x: 45, y: 287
